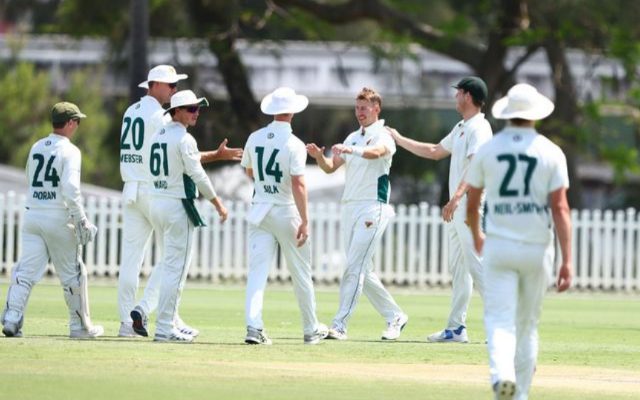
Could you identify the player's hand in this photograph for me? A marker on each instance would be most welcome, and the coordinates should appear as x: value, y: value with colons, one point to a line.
x: 228, y: 153
x: 85, y: 230
x: 478, y: 242
x: 315, y: 151
x: 449, y: 209
x: 564, y: 277
x: 338, y: 149
x: 394, y: 133
x: 303, y: 234
x: 222, y: 212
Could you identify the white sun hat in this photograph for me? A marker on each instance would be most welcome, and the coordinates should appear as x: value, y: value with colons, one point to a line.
x: 283, y: 100
x: 186, y: 98
x: 523, y: 101
x: 162, y: 73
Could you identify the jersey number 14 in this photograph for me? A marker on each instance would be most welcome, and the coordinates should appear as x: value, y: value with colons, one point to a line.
x: 272, y: 168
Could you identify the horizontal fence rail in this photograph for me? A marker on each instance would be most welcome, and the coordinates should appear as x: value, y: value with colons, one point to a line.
x: 412, y: 252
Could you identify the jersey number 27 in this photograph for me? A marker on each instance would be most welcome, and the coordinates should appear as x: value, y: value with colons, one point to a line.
x: 512, y: 164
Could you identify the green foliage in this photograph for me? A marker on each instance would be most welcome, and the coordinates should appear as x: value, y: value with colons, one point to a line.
x: 25, y: 101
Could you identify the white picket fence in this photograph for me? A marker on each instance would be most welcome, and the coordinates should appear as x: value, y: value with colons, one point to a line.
x: 413, y: 251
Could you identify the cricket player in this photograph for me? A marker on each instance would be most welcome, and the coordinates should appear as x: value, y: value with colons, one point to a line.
x: 525, y: 179
x: 275, y: 159
x: 140, y: 122
x: 367, y: 155
x: 464, y: 140
x: 177, y: 177
x: 55, y: 227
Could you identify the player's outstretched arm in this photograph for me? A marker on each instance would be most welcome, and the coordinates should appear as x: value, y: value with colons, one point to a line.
x: 562, y: 219
x: 474, y: 196
x: 222, y: 153
x: 328, y: 165
x: 421, y: 149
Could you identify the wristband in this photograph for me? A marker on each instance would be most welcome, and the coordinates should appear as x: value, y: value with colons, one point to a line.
x: 357, y: 151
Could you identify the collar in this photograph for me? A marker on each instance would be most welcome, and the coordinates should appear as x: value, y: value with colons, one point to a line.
x: 364, y: 130
x: 476, y: 117
x: 59, y: 136
x: 280, y: 126
x: 518, y: 130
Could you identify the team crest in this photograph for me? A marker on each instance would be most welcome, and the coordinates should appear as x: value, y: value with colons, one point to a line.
x: 47, y: 143
x: 517, y: 138
x: 137, y: 106
x: 270, y: 135
x: 353, y: 144
x: 368, y: 224
x: 161, y: 132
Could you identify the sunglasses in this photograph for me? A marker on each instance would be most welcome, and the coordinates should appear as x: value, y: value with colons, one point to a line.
x: 77, y: 120
x: 173, y: 85
x: 191, y: 109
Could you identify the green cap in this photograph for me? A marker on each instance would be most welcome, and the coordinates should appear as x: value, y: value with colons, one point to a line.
x: 64, y: 111
x: 474, y: 86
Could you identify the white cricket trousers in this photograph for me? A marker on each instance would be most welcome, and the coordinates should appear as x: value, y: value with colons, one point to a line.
x: 46, y: 234
x: 516, y: 276
x: 465, y: 267
x: 363, y: 224
x: 279, y: 226
x: 177, y: 231
x: 136, y: 234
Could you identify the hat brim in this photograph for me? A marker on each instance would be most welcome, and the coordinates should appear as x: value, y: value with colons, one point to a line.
x: 298, y: 103
x: 178, y: 77
x: 542, y: 108
x: 202, y: 102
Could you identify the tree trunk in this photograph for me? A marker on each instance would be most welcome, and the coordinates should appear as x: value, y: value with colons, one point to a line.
x: 139, y: 31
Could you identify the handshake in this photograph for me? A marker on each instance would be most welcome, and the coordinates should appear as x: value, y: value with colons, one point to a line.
x: 85, y: 230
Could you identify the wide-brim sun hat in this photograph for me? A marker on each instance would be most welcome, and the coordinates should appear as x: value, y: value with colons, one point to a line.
x: 523, y: 101
x: 283, y: 100
x: 162, y: 73
x: 186, y: 98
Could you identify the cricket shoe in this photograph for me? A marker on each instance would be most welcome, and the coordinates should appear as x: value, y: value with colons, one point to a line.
x: 504, y: 390
x: 12, y: 329
x: 173, y: 336
x: 450, y: 335
x: 337, y: 334
x: 140, y: 321
x: 395, y: 327
x: 184, y: 328
x: 257, y: 336
x: 320, y: 333
x: 126, y: 330
x: 87, y: 333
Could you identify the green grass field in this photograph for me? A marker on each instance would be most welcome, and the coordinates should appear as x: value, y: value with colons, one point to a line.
x: 590, y: 349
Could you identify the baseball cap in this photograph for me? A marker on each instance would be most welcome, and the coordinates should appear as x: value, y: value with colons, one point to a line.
x: 474, y: 86
x: 64, y: 111
x: 162, y: 73
x: 186, y: 98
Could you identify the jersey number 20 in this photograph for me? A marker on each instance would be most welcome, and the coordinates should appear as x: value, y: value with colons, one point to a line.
x: 137, y: 134
x: 273, y: 167
x: 512, y: 161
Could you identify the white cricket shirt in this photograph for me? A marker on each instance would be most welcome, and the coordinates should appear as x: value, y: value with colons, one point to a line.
x: 274, y: 154
x: 141, y: 121
x: 368, y: 180
x: 53, y: 171
x: 463, y: 141
x: 519, y: 169
x: 174, y: 164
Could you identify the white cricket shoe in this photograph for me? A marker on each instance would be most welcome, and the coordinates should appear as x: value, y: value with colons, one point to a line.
x: 126, y: 330
x: 450, y: 335
x: 337, y: 334
x: 504, y: 390
x: 91, y: 333
x: 12, y: 329
x: 140, y: 321
x: 184, y: 328
x: 173, y: 336
x: 395, y: 327
x: 257, y: 336
x: 321, y: 333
